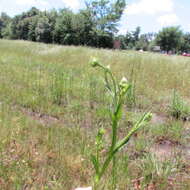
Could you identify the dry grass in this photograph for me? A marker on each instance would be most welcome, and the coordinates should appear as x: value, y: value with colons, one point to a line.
x: 52, y: 103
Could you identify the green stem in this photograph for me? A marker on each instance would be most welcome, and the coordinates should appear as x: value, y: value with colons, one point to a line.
x: 116, y: 111
x: 114, y: 133
x: 114, y: 173
x: 145, y: 118
x: 115, y: 97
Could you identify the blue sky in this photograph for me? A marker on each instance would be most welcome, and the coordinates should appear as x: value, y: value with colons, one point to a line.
x: 151, y: 15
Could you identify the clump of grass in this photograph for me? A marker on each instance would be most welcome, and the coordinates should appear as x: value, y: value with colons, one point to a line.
x: 179, y: 109
x: 57, y: 88
x: 171, y: 131
x: 118, y: 93
x: 155, y: 172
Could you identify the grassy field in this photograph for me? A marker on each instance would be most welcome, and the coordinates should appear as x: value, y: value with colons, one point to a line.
x: 52, y: 104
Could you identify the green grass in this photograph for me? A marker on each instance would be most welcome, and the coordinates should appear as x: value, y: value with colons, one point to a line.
x: 179, y: 109
x: 52, y: 104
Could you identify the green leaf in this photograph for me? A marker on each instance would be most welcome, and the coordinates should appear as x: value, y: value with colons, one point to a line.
x: 143, y: 120
x: 95, y: 163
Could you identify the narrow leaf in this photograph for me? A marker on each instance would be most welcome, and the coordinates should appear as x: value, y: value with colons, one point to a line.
x: 95, y: 163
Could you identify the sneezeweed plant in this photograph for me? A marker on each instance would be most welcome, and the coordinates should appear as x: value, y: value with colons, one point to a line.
x: 118, y: 93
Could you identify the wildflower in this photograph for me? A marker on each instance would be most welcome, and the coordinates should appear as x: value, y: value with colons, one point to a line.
x: 149, y: 117
x: 124, y: 86
x: 108, y: 67
x: 123, y: 82
x: 99, y: 138
x: 101, y: 131
x: 94, y: 62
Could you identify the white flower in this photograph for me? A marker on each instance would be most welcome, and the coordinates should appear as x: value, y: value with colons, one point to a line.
x: 123, y: 80
x: 123, y: 85
x: 94, y: 62
x: 108, y: 66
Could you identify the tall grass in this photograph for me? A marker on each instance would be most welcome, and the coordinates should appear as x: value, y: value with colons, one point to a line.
x: 179, y: 109
x: 52, y: 105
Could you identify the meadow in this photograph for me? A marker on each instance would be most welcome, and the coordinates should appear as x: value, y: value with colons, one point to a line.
x: 52, y: 103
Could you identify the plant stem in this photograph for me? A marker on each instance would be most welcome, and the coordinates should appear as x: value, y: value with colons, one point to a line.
x: 114, y: 173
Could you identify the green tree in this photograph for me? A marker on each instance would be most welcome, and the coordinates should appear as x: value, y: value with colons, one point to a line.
x: 82, y: 25
x: 136, y: 34
x: 6, y: 31
x: 142, y: 43
x: 52, y: 16
x: 169, y: 39
x: 123, y: 44
x: 185, y: 43
x: 129, y: 40
x: 32, y: 28
x: 20, y: 27
x: 21, y: 24
x: 95, y: 25
x: 32, y: 12
x: 43, y: 30
x: 105, y: 15
x: 4, y: 22
x: 63, y: 27
x: 133, y: 40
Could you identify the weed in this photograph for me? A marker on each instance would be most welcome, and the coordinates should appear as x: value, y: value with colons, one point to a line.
x: 171, y: 131
x: 179, y: 109
x: 118, y: 92
x: 156, y: 171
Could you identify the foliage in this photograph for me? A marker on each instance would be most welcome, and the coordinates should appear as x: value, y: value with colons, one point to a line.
x: 135, y: 40
x: 105, y: 15
x: 179, y: 109
x: 87, y: 27
x: 169, y: 39
x: 117, y: 92
x: 185, y: 43
x: 4, y: 24
x: 95, y: 25
x: 43, y: 30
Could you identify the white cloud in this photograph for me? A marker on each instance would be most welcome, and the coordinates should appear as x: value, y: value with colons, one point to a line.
x: 188, y: 27
x: 150, y: 7
x: 32, y: 2
x: 168, y: 19
x: 74, y: 4
x: 23, y: 2
x: 122, y: 31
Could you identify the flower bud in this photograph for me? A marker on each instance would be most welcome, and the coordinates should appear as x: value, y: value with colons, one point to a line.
x: 148, y: 117
x: 123, y: 86
x: 123, y: 82
x: 94, y: 62
x: 108, y: 67
x: 101, y: 131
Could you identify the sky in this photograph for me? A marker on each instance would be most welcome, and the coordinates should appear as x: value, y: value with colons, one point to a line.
x: 150, y: 15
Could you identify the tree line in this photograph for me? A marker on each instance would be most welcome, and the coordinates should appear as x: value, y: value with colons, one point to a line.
x: 169, y: 39
x: 95, y: 25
